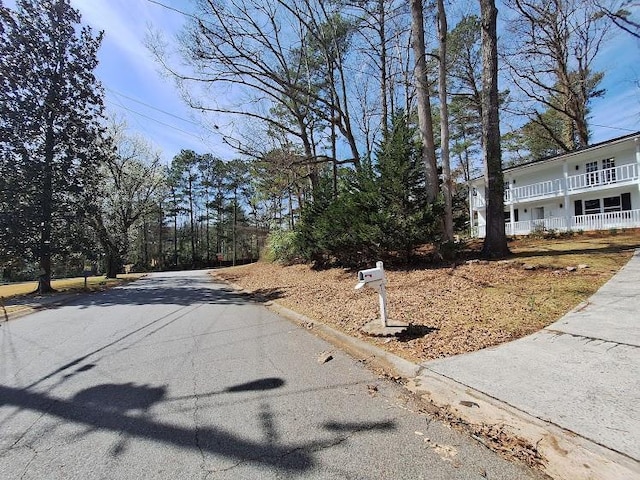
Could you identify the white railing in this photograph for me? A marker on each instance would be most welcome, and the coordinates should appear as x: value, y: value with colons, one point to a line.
x: 584, y: 181
x: 595, y: 221
x: 477, y: 201
x: 479, y: 231
x: 621, y: 173
x: 540, y: 189
x: 527, y: 226
x: 605, y: 221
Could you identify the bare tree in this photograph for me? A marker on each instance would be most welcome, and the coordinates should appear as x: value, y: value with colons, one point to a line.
x: 423, y: 98
x: 495, y: 243
x: 447, y: 184
x: 553, y: 47
x: 130, y: 176
x: 282, y: 61
x: 619, y: 14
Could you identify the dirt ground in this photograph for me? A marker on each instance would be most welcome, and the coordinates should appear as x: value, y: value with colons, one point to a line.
x: 452, y: 308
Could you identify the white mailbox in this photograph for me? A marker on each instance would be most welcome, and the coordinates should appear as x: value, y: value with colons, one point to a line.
x: 374, y: 278
x: 371, y: 277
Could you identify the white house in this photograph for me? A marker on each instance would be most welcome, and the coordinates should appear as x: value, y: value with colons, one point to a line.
x: 596, y: 188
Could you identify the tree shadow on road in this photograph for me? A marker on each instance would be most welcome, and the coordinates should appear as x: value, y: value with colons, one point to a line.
x: 155, y: 291
x: 120, y: 408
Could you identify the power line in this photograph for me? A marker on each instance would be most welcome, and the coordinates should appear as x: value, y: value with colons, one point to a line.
x: 151, y: 106
x: 156, y: 120
x: 173, y: 9
x: 614, y: 128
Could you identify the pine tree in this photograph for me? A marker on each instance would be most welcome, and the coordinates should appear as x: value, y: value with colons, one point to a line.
x: 50, y: 110
x: 408, y: 216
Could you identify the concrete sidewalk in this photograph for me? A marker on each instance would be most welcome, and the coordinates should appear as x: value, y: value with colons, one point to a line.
x: 581, y: 374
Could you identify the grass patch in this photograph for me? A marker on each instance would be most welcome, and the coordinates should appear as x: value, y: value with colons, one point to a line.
x: 67, y: 285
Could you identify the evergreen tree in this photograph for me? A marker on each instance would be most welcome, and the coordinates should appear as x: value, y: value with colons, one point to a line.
x: 380, y: 211
x: 408, y: 218
x: 184, y: 177
x: 50, y: 110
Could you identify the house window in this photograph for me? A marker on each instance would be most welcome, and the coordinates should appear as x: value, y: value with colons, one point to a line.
x: 578, y: 207
x: 592, y: 173
x: 592, y: 206
x: 612, y: 204
x: 619, y: 203
x: 538, y: 213
x: 507, y: 216
x: 474, y: 192
x: 608, y: 167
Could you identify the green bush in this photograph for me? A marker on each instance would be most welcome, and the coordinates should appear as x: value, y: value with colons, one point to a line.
x: 344, y: 229
x: 381, y: 210
x: 280, y: 247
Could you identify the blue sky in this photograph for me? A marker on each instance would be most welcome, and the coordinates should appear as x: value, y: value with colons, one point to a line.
x: 134, y: 87
x: 150, y: 103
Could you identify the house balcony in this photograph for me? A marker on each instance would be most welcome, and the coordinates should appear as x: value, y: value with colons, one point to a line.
x: 590, y: 222
x: 598, y: 180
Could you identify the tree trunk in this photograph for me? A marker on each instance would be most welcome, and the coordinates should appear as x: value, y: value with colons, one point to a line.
x: 175, y: 239
x: 192, y: 223
x: 44, y: 279
x: 495, y: 242
x: 145, y: 239
x: 235, y: 222
x: 114, y: 264
x: 383, y: 68
x: 160, y: 238
x: 424, y: 104
x: 447, y: 185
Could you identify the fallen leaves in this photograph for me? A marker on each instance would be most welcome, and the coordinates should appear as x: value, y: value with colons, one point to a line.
x: 452, y: 310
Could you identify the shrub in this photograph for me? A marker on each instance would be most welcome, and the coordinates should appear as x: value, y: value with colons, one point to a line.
x: 280, y: 247
x: 538, y: 231
x: 380, y: 210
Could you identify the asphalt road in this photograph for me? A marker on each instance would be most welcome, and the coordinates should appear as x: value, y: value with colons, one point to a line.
x: 176, y: 377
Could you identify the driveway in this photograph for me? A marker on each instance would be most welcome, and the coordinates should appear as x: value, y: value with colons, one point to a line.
x: 581, y: 373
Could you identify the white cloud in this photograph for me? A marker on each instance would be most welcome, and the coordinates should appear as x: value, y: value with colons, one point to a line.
x: 124, y: 25
x: 127, y: 67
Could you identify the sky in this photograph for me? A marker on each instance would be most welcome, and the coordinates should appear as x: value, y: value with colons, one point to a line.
x: 137, y: 92
x: 135, y: 88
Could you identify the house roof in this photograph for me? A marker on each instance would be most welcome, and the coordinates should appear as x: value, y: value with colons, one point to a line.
x: 563, y: 156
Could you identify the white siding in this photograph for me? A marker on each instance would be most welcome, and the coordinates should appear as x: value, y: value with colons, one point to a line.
x: 543, y: 185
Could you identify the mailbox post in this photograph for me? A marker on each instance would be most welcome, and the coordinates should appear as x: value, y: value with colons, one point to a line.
x: 374, y: 278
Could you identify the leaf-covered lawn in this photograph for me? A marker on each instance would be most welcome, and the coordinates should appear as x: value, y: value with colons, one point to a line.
x: 453, y: 309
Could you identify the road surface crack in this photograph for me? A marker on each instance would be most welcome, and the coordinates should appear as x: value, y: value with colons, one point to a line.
x: 26, y: 467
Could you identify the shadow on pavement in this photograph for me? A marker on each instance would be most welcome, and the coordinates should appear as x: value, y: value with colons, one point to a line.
x: 154, y: 291
x: 105, y: 407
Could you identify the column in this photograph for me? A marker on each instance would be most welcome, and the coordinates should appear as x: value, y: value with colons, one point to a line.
x: 565, y: 188
x: 637, y: 141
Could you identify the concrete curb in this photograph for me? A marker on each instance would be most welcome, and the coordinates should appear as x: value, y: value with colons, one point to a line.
x: 354, y: 346
x: 566, y: 455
